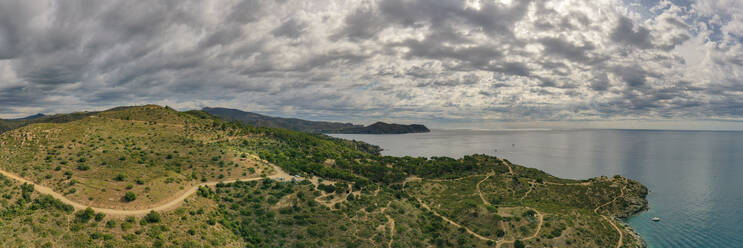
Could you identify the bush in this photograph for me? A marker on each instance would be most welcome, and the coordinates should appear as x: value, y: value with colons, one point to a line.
x: 99, y: 217
x: 120, y: 177
x: 152, y: 217
x: 83, y: 167
x: 130, y: 196
x: 518, y: 244
x: 83, y: 216
x: 48, y: 202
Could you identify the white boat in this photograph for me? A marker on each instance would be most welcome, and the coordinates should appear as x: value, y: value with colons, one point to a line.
x: 656, y: 219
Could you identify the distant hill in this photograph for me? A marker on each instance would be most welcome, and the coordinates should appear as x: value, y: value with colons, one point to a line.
x: 30, y: 117
x: 386, y: 128
x: 10, y: 124
x: 254, y: 119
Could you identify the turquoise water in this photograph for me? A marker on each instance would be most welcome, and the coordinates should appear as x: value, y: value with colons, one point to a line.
x: 695, y: 177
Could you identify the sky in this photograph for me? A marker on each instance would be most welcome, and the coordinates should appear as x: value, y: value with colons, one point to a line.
x: 447, y: 64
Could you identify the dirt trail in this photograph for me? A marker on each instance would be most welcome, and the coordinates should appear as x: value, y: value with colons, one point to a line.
x: 531, y: 187
x: 510, y: 170
x: 482, y: 197
x: 596, y: 210
x: 391, y: 223
x: 533, y: 236
x: 424, y: 205
x: 484, y: 201
x: 453, y: 179
x: 137, y: 212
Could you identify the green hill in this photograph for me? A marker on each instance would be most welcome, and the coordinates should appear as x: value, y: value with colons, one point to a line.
x: 343, y: 194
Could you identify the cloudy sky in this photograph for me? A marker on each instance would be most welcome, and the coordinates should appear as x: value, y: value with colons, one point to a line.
x: 473, y: 64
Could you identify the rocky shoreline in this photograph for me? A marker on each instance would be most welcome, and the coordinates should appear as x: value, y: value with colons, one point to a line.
x: 635, y: 206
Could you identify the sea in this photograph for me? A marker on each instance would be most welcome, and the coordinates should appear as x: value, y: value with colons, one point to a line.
x: 695, y: 178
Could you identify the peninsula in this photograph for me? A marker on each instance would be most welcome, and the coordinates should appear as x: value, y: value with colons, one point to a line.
x: 254, y: 119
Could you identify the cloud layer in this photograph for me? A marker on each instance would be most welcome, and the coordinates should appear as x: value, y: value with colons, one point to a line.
x: 443, y: 60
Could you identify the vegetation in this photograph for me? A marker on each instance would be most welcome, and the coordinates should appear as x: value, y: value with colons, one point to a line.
x: 130, y: 196
x: 135, y: 157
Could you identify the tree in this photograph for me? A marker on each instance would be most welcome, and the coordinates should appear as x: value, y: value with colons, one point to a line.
x: 130, y: 196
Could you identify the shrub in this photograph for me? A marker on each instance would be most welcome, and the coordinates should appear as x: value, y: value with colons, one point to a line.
x: 83, y: 167
x: 519, y: 244
x: 83, y: 216
x: 130, y: 196
x: 152, y: 217
x: 120, y: 177
x: 99, y: 217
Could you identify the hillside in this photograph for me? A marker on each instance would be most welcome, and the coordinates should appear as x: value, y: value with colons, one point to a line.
x: 344, y: 193
x: 259, y: 120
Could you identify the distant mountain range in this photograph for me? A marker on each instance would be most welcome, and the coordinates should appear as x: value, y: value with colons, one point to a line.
x: 9, y: 124
x: 30, y: 117
x: 254, y: 119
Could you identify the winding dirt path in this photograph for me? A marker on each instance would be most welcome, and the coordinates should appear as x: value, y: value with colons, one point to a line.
x: 424, y: 205
x: 596, y: 210
x: 484, y: 201
x: 533, y: 236
x: 391, y: 221
x: 531, y: 187
x: 482, y: 197
x: 137, y: 212
x: 510, y: 170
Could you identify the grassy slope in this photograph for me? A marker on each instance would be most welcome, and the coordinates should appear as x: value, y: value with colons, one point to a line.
x: 268, y: 213
x: 150, y: 147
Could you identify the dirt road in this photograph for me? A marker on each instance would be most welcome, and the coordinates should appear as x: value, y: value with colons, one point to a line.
x: 137, y: 212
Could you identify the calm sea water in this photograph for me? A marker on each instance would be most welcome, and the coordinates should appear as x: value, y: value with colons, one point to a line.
x: 695, y: 177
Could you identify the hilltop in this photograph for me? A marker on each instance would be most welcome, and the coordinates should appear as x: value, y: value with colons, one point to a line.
x: 236, y: 185
x: 254, y: 119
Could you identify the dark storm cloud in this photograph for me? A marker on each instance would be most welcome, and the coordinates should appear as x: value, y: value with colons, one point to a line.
x: 493, y: 18
x: 432, y: 48
x: 627, y: 33
x: 600, y: 82
x: 449, y: 58
x: 360, y: 25
x: 290, y: 28
x: 633, y: 76
x: 567, y: 50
